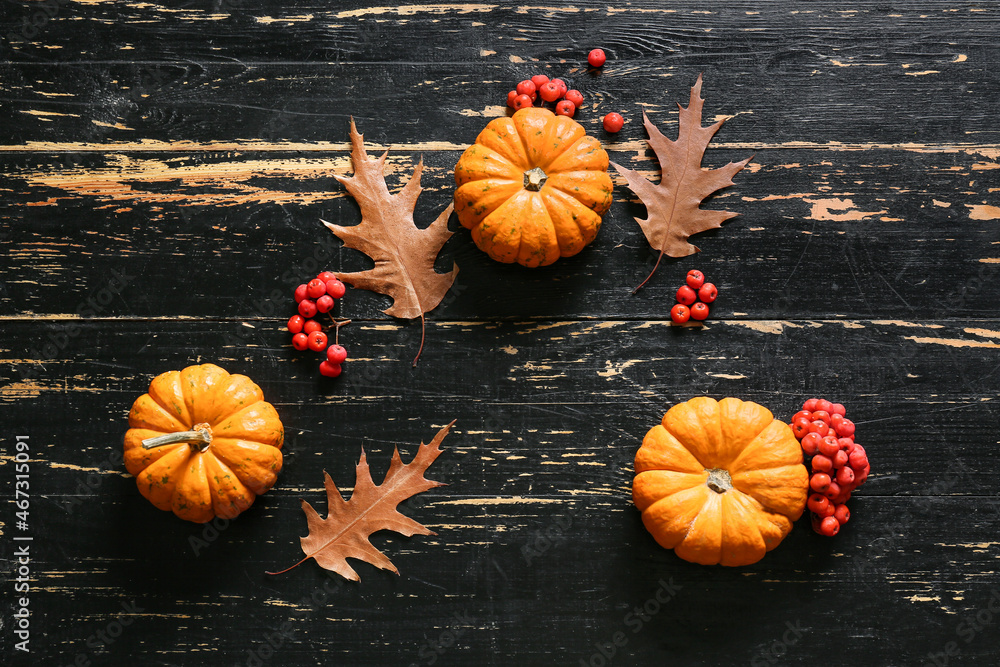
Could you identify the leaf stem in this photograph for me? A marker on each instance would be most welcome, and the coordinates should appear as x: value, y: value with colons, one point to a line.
x: 650, y: 274
x: 422, y: 332
x: 290, y: 568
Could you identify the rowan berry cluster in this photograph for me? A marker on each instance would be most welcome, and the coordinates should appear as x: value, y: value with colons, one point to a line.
x: 319, y: 295
x: 693, y: 298
x: 837, y: 465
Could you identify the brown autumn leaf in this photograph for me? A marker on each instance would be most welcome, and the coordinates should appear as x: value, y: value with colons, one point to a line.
x: 673, y: 206
x: 344, y: 533
x: 404, y: 255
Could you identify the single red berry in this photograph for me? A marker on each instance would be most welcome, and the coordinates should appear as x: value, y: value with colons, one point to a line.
x: 521, y: 102
x: 845, y: 476
x: 823, y: 404
x: 810, y: 404
x: 563, y: 88
x: 613, y: 122
x: 565, y: 108
x: 310, y: 326
x: 326, y: 276
x: 526, y: 87
x: 336, y: 289
x: 596, y: 58
x: 708, y: 293
x: 300, y: 341
x: 301, y: 292
x: 810, y: 442
x: 846, y: 444
x: 329, y: 370
x: 860, y: 478
x: 316, y: 288
x: 842, y: 514
x: 819, y: 427
x: 858, y: 459
x: 845, y: 428
x: 325, y: 303
x: 845, y: 495
x: 818, y: 503
x: 829, y: 446
x: 295, y: 323
x: 680, y: 313
x: 822, y: 463
x: 511, y: 96
x: 575, y: 96
x: 820, y: 482
x: 833, y: 490
x: 336, y: 354
x: 802, y: 413
x: 686, y: 295
x: 840, y: 459
x: 550, y: 91
x: 307, y: 308
x: 800, y: 427
x: 539, y: 80
x: 695, y: 279
x: 829, y: 526
x: 838, y: 409
x: 699, y: 311
x: 821, y: 415
x: 317, y: 341
x: 835, y: 418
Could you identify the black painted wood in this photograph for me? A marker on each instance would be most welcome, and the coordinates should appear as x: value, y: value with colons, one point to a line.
x: 163, y: 167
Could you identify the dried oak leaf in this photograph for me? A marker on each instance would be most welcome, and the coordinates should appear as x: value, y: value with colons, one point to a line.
x: 673, y: 205
x: 344, y: 533
x: 404, y: 254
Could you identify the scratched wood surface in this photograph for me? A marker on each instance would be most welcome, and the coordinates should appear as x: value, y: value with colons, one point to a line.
x: 164, y: 166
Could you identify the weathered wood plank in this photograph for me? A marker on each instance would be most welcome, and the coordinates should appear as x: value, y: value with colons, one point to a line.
x: 537, y: 390
x: 826, y: 234
x: 183, y: 103
x: 765, y: 37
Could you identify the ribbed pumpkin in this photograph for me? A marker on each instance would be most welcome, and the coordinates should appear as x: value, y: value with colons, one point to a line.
x: 720, y: 481
x: 203, y: 443
x: 532, y: 188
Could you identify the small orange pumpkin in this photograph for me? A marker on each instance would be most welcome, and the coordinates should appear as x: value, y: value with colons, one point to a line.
x: 532, y: 188
x: 720, y: 481
x: 203, y: 443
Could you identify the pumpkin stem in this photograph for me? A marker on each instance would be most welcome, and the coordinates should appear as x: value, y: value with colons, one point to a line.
x: 200, y: 438
x: 534, y: 179
x: 719, y: 480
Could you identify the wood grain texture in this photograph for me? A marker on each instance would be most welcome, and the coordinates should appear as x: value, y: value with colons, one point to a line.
x: 163, y: 170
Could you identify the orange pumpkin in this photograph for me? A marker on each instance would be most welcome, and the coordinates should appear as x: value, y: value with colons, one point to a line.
x: 203, y: 443
x: 720, y: 481
x: 532, y: 188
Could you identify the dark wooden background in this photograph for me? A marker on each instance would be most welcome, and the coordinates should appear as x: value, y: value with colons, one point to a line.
x: 165, y: 166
